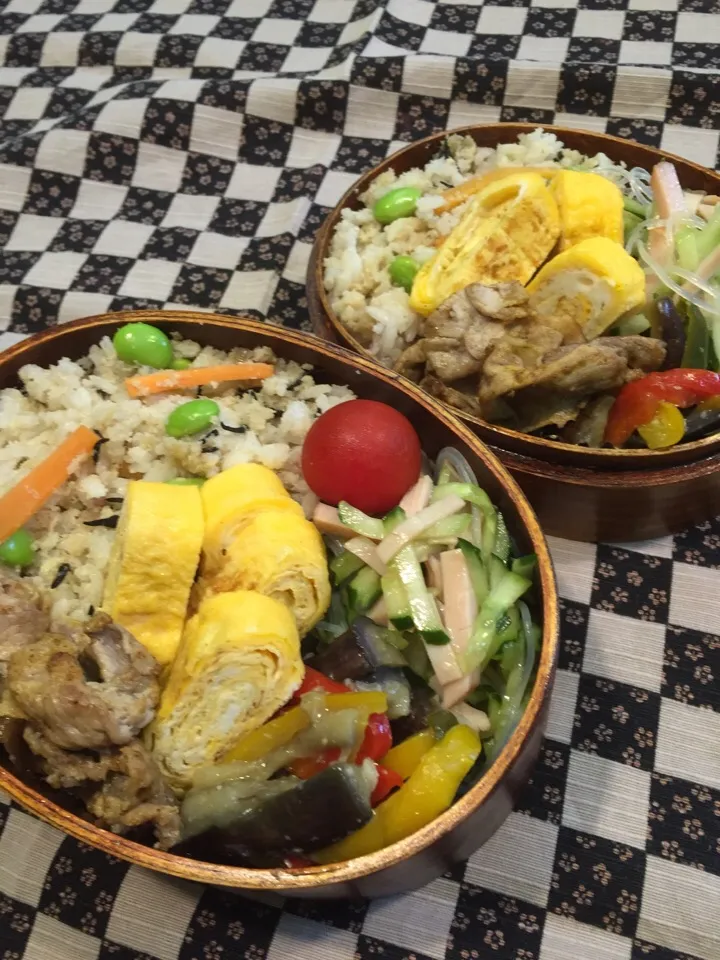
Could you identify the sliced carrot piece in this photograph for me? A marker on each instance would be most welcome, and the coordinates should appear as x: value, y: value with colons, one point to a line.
x: 24, y: 500
x: 463, y: 191
x: 165, y: 381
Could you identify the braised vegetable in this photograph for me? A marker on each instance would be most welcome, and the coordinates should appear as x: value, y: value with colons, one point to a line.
x: 169, y: 381
x: 31, y: 493
x: 637, y: 402
x: 428, y: 792
x: 358, y: 653
x: 284, y: 815
x: 673, y: 333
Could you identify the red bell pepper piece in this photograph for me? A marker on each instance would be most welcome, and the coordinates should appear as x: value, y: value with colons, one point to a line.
x: 295, y: 863
x: 314, y: 680
x: 377, y: 740
x: 637, y: 402
x: 306, y: 767
x: 388, y: 780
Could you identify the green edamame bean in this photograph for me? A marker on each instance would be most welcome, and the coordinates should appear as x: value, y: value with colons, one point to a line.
x: 186, y: 481
x: 18, y: 550
x: 191, y: 417
x: 400, y: 202
x: 144, y: 345
x: 180, y: 363
x: 403, y: 271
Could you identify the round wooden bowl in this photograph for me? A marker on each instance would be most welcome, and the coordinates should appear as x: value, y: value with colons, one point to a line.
x: 661, y: 491
x: 474, y: 818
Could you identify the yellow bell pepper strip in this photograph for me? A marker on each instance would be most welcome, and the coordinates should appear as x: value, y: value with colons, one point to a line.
x: 665, y: 429
x: 282, y: 728
x: 406, y: 756
x: 429, y: 792
x: 712, y: 403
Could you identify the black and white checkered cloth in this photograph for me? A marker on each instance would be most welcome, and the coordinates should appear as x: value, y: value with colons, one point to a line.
x: 183, y: 153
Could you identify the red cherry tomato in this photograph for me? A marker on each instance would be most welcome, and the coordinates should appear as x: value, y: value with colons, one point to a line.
x: 364, y: 452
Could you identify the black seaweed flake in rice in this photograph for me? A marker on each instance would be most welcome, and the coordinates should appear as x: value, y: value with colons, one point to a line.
x: 240, y: 428
x: 205, y: 448
x: 109, y: 522
x: 114, y: 500
x: 62, y: 571
x: 96, y: 448
x: 91, y: 610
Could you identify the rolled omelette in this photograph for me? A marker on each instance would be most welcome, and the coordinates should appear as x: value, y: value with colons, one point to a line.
x: 153, y: 564
x: 238, y: 663
x: 232, y: 498
x: 280, y: 555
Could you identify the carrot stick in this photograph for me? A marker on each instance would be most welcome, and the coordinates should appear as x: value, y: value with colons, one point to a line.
x: 24, y: 500
x: 166, y: 381
x: 463, y: 191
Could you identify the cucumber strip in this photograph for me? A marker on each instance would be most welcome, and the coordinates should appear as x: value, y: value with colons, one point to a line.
x: 393, y: 519
x: 502, y: 539
x: 687, y: 248
x: 449, y: 527
x: 497, y: 571
x: 362, y: 591
x: 423, y: 608
x: 638, y: 209
x: 636, y: 324
x: 344, y: 566
x: 472, y: 493
x: 396, y: 600
x: 501, y: 597
x: 525, y: 566
x: 709, y: 237
x: 696, y: 355
x: 360, y: 522
x: 478, y: 572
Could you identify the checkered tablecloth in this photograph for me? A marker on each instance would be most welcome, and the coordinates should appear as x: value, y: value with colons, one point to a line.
x: 183, y: 153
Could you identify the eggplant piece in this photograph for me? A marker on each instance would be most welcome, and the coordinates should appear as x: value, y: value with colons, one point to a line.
x: 673, y: 333
x: 423, y: 702
x: 696, y: 355
x: 701, y: 423
x: 297, y: 817
x: 358, y: 652
x: 393, y: 682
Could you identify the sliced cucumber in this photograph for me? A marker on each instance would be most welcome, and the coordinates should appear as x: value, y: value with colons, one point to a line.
x: 393, y: 519
x: 362, y: 591
x: 503, y: 595
x: 360, y: 522
x: 525, y: 566
x: 344, y: 566
x: 423, y: 608
x: 477, y: 570
x: 474, y: 494
x: 396, y: 600
x: 502, y: 539
x: 449, y: 527
x: 497, y: 571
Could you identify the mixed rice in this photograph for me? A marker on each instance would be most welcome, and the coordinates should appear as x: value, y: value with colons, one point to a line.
x: 265, y: 425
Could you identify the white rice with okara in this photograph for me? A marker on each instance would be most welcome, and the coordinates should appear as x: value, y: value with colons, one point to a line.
x: 266, y: 424
x: 357, y: 280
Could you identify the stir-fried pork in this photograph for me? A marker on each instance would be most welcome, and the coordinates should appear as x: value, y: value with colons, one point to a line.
x: 92, y: 689
x: 131, y: 792
x: 22, y: 617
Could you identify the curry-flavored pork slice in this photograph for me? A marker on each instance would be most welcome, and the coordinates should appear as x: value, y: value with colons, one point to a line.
x: 505, y: 234
x: 584, y: 290
x: 153, y: 564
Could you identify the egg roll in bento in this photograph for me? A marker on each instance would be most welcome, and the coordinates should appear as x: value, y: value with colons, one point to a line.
x: 232, y: 498
x: 238, y: 663
x: 153, y: 563
x: 280, y: 555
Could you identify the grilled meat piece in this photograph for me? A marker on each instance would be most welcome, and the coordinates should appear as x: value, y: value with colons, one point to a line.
x: 131, y: 792
x: 95, y: 688
x: 23, y: 619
